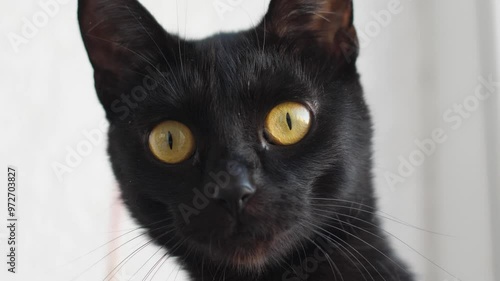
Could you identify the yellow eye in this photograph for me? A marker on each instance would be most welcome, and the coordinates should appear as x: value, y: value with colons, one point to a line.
x: 288, y: 123
x: 171, y: 142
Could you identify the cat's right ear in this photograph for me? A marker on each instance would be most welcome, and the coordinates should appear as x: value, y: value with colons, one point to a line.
x: 121, y: 38
x: 326, y: 24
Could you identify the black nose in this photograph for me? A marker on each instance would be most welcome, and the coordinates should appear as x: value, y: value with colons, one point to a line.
x: 231, y: 185
x: 235, y: 197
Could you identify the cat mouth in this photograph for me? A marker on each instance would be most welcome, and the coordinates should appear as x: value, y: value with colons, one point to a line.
x: 247, y: 250
x: 242, y: 250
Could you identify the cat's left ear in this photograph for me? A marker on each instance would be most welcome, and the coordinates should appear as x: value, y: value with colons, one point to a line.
x: 327, y: 24
x: 117, y: 33
x: 121, y: 38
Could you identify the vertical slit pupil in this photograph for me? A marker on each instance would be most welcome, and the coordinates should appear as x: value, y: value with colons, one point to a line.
x: 289, y: 121
x: 170, y: 140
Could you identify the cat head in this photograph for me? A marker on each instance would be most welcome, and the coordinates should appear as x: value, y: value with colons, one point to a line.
x: 223, y: 146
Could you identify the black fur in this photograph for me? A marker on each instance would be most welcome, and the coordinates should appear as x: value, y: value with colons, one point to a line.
x: 313, y: 198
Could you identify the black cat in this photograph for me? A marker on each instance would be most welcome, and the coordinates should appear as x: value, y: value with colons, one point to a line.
x: 247, y: 155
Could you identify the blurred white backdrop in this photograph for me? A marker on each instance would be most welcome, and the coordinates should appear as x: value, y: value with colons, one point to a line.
x: 421, y: 62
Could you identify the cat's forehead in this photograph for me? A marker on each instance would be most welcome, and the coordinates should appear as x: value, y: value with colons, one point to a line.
x: 234, y: 71
x: 227, y: 80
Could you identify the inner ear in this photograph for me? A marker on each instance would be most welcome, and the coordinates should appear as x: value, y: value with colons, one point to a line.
x: 327, y: 24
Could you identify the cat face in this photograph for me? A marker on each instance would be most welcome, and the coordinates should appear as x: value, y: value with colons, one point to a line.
x: 221, y: 146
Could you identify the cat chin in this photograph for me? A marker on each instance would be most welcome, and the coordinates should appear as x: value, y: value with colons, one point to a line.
x: 252, y: 255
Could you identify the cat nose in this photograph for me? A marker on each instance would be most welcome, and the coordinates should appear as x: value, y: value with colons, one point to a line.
x: 235, y: 197
x: 234, y: 186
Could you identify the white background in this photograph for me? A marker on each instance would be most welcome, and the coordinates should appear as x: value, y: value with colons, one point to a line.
x: 414, y: 68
